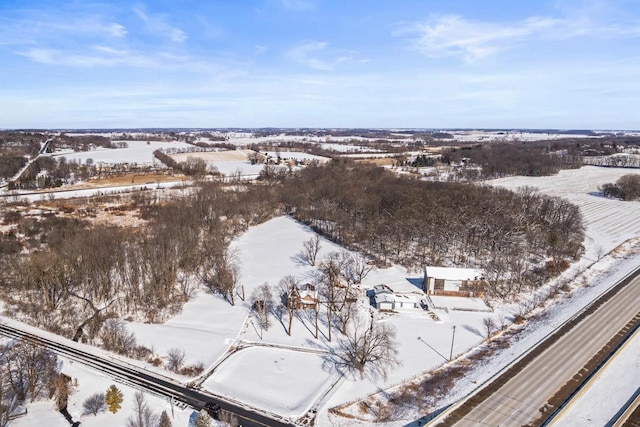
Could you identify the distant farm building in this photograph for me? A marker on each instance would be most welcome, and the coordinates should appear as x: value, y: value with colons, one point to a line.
x: 453, y: 281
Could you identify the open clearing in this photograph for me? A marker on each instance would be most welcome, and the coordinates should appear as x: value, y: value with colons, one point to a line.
x: 282, y: 381
x: 139, y: 152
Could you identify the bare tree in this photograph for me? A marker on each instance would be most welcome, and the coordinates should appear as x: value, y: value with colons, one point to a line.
x: 489, y: 325
x: 289, y: 286
x: 8, y: 399
x: 223, y: 275
x: 31, y: 369
x: 175, y: 359
x: 310, y: 249
x: 115, y: 337
x: 262, y: 303
x: 143, y: 416
x: 94, y: 404
x: 230, y: 418
x: 368, y: 347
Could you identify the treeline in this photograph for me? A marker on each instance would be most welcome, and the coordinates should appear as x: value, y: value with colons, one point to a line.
x: 505, y: 159
x: 519, y: 239
x: 81, y: 275
x: 48, y: 172
x: 194, y: 166
x: 79, y: 142
x: 15, y: 149
x: 627, y: 187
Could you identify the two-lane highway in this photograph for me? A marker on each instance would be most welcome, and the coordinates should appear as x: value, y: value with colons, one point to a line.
x: 138, y: 377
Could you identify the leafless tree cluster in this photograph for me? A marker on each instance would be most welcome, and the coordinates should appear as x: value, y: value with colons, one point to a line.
x: 29, y: 370
x: 417, y: 223
x: 339, y: 272
x: 627, y: 187
x: 77, y: 275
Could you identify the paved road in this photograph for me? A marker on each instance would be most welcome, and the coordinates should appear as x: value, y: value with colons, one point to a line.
x: 149, y: 381
x: 519, y: 400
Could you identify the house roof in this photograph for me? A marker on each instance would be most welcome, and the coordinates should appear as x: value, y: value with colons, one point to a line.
x: 448, y: 273
x: 385, y: 297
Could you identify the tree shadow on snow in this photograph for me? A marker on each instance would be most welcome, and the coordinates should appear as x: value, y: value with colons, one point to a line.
x: 473, y: 330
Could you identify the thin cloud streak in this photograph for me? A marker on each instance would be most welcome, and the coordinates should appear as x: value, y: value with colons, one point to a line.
x: 452, y: 35
x: 157, y: 24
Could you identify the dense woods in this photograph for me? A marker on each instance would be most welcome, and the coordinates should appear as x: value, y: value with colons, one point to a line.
x: 519, y: 236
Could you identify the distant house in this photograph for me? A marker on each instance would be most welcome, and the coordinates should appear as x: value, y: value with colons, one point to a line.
x: 303, y: 297
x: 466, y: 282
x: 386, y: 298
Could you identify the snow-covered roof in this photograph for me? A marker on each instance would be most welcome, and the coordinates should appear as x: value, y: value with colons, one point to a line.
x: 385, y: 297
x: 448, y: 273
x: 404, y: 287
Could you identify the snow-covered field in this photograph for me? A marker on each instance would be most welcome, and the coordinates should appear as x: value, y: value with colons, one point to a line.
x: 33, y: 196
x: 139, y: 152
x: 205, y: 328
x: 237, y: 161
x: 609, y: 222
x: 282, y: 381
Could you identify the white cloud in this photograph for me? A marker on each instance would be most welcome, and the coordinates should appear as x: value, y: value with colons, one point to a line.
x: 307, y: 54
x: 318, y: 55
x: 157, y: 23
x: 452, y: 35
x: 98, y: 56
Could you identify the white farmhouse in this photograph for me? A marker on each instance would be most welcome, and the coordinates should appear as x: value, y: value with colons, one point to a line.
x: 399, y: 297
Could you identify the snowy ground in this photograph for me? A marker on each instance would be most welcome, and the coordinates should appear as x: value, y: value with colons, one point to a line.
x: 285, y: 382
x: 267, y: 253
x: 139, y: 152
x: 599, y: 403
x: 90, y: 381
x: 226, y: 162
x: 205, y: 328
x: 264, y: 261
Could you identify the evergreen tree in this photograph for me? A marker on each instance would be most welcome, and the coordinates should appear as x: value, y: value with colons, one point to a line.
x: 114, y: 399
x: 165, y: 421
x: 203, y: 419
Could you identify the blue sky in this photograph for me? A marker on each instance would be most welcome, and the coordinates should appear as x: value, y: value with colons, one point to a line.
x: 320, y: 63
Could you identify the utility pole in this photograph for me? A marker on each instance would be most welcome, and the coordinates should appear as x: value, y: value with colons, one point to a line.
x: 452, y: 338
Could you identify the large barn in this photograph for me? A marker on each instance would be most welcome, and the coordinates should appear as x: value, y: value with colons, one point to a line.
x: 453, y: 281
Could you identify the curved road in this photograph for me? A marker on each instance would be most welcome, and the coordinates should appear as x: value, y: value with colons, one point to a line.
x: 519, y: 401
